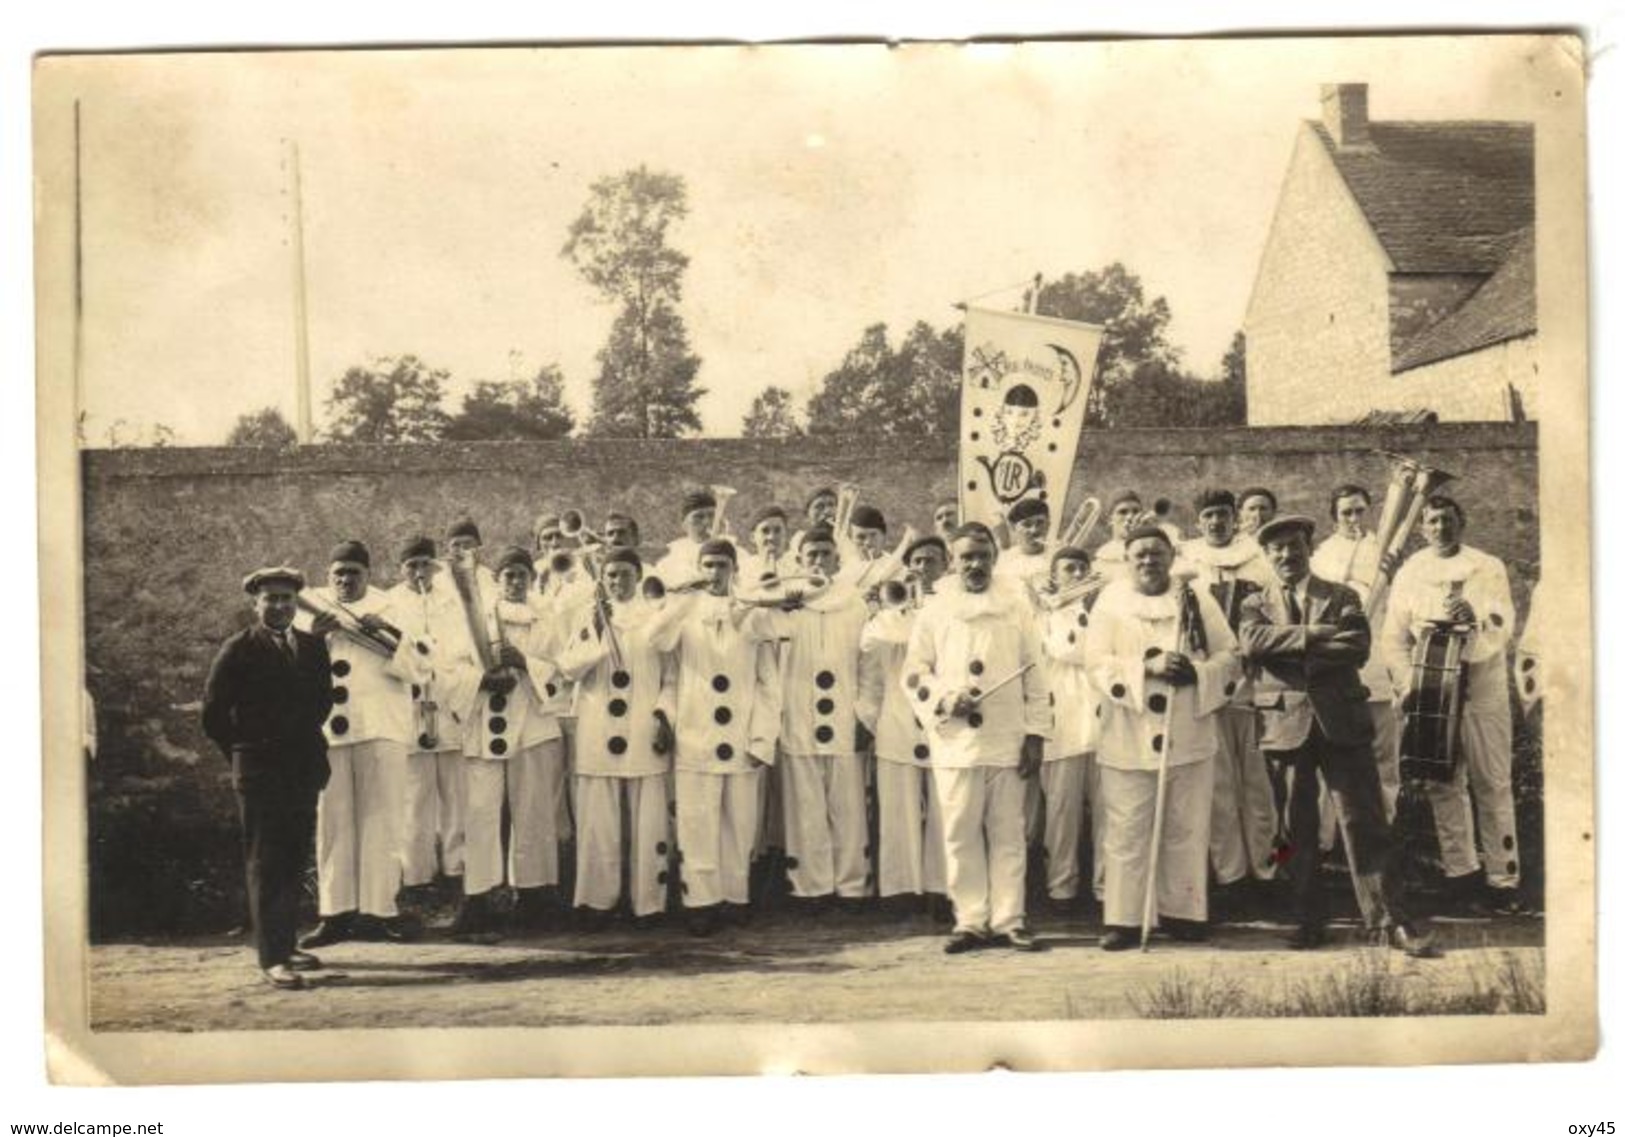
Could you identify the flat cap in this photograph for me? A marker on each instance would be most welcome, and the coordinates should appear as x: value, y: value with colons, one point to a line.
x: 1284, y: 525
x: 276, y: 574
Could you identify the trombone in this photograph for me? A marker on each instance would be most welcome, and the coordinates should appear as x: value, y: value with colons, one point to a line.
x: 890, y: 564
x: 384, y: 639
x: 1083, y: 523
x: 1049, y: 599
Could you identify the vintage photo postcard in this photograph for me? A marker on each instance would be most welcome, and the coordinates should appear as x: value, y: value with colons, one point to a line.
x: 611, y: 560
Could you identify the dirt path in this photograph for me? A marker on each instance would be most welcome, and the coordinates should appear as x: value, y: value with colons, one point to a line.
x: 779, y: 969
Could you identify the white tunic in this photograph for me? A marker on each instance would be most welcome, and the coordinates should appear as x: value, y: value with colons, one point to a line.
x: 1354, y: 563
x: 498, y: 726
x: 1125, y: 628
x: 372, y: 696
x: 1019, y: 569
x: 680, y: 563
x: 438, y: 631
x: 1420, y: 589
x: 819, y: 673
x: 727, y: 681
x: 615, y: 724
x: 1077, y: 723
x: 883, y: 705
x: 963, y: 642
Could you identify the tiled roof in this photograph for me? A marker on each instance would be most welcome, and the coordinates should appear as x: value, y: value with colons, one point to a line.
x: 1503, y: 308
x: 1443, y: 196
x: 1421, y: 417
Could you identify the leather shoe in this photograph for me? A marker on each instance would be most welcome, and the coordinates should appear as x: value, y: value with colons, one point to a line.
x: 1020, y: 939
x: 331, y: 930
x: 1414, y: 942
x: 283, y: 978
x: 1307, y: 937
x: 702, y: 922
x: 1186, y: 931
x: 1504, y: 902
x: 961, y: 942
x: 1119, y: 939
x: 303, y: 961
x: 381, y: 930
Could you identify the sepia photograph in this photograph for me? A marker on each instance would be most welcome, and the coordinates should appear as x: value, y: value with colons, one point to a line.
x: 844, y: 557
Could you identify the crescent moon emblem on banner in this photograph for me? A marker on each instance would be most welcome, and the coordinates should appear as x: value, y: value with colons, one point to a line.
x: 1072, y: 375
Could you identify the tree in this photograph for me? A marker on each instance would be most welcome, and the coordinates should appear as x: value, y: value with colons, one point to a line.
x: 263, y: 428
x: 619, y: 244
x: 773, y: 414
x: 397, y: 399
x: 911, y: 391
x: 1136, y: 329
x: 514, y: 409
x: 1158, y: 395
x: 645, y: 384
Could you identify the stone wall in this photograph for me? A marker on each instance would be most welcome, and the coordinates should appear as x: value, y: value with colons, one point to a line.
x: 169, y: 534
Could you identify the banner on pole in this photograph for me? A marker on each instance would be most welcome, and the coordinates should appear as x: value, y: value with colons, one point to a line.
x: 1026, y: 384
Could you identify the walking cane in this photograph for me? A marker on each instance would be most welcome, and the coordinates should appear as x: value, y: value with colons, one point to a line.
x: 1148, y: 911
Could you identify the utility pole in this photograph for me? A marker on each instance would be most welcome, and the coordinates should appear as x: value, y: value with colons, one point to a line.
x: 301, y: 320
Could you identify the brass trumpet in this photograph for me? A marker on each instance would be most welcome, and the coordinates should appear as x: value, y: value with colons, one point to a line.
x: 384, y: 639
x: 573, y: 524
x: 887, y: 566
x: 905, y: 594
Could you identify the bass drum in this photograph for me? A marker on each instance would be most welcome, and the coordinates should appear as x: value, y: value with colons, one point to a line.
x: 1428, y: 749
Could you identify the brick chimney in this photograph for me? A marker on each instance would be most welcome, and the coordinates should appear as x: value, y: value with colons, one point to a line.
x: 1343, y: 110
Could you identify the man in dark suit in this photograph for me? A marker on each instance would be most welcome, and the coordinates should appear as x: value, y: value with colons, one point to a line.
x: 1310, y: 639
x: 267, y: 695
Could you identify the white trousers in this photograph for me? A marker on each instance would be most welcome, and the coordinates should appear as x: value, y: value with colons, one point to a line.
x: 911, y: 853
x: 1131, y: 797
x: 826, y: 828
x: 434, y: 812
x: 1244, y: 825
x: 1485, y: 768
x: 1387, y: 722
x: 717, y: 816
x: 532, y: 783
x: 1072, y: 785
x: 985, y: 845
x: 606, y: 838
x: 358, y: 829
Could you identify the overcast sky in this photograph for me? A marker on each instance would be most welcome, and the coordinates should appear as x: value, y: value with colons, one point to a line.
x: 830, y: 188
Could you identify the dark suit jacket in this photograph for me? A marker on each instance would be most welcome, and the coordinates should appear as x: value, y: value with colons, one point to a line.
x: 1327, y: 671
x: 266, y: 713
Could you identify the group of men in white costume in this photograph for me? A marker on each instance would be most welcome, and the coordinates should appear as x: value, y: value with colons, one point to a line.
x: 919, y: 739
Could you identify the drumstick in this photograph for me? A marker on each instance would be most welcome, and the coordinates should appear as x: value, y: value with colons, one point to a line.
x: 1005, y: 682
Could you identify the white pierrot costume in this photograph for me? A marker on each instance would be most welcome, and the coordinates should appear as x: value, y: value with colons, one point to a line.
x: 965, y: 641
x: 823, y: 775
x: 728, y: 710
x: 1065, y: 640
x: 616, y: 764
x: 1354, y: 563
x: 615, y: 726
x: 1128, y: 627
x: 435, y: 777
x: 1125, y: 628
x: 969, y: 642
x: 1244, y: 816
x: 516, y: 752
x: 910, y: 854
x: 359, y: 815
x: 1420, y: 590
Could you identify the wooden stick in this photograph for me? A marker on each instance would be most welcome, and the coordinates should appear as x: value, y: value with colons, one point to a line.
x: 1148, y: 910
x: 1005, y: 682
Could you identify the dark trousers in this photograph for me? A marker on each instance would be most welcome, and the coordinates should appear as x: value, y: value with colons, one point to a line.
x: 279, y: 830
x: 1356, y: 792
